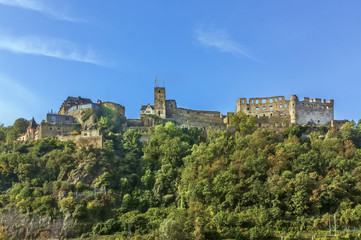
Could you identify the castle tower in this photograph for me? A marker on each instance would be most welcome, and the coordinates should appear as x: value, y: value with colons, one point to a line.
x: 159, y: 101
x: 293, y: 109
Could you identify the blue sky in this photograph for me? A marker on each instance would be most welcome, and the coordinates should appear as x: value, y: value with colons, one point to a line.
x: 209, y: 53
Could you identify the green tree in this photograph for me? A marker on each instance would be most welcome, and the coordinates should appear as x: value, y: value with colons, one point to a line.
x: 243, y: 123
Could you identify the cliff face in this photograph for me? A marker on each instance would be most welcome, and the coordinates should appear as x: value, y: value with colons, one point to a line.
x: 23, y: 226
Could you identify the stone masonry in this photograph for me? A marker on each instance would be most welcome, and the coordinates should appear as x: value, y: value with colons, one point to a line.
x: 273, y: 112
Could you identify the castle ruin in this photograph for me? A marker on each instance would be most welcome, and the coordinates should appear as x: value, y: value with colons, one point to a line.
x: 274, y: 113
x: 168, y: 110
x: 278, y: 112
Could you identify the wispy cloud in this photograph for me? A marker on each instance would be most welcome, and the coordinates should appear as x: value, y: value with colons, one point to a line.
x: 57, y: 48
x: 39, y: 6
x: 221, y: 40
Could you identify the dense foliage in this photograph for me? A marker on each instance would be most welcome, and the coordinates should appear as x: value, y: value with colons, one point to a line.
x: 182, y: 183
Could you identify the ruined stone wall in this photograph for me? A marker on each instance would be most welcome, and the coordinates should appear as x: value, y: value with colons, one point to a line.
x: 171, y: 108
x: 197, y: 118
x: 277, y: 112
x: 54, y: 130
x: 81, y: 141
x: 137, y: 124
x: 313, y: 111
x: 337, y: 124
x: 273, y: 107
x: 90, y: 133
x: 272, y: 112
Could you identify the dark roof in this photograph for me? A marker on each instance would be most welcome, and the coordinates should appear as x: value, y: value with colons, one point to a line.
x: 145, y: 107
x: 32, y: 124
x: 72, y: 101
x: 85, y: 100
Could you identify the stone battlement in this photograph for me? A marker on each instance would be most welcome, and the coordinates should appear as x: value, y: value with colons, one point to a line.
x: 278, y: 108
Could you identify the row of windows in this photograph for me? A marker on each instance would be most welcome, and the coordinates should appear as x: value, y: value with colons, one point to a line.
x: 271, y: 115
x: 271, y: 107
x: 314, y: 105
x: 314, y: 114
x: 264, y: 100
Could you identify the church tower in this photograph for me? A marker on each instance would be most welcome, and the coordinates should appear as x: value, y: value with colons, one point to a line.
x: 159, y: 100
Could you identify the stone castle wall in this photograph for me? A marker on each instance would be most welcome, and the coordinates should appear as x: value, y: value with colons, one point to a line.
x: 198, y: 118
x: 337, y: 124
x: 54, y: 130
x: 313, y: 111
x: 81, y: 141
x: 278, y: 112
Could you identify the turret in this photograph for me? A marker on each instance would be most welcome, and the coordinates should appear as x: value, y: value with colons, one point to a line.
x: 292, y: 107
x: 159, y: 101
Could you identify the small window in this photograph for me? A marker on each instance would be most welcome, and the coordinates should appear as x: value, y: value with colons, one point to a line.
x: 263, y: 100
x: 264, y: 108
x: 271, y: 107
x: 256, y: 101
x: 270, y: 100
x: 264, y: 115
x: 257, y: 108
x: 275, y: 99
x: 280, y: 106
x: 286, y: 114
x: 285, y: 105
x: 271, y: 114
x: 280, y: 98
x: 247, y: 108
x: 281, y: 114
x: 318, y: 121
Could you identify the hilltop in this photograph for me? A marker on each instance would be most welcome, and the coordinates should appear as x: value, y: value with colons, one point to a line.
x: 182, y: 182
x: 82, y: 121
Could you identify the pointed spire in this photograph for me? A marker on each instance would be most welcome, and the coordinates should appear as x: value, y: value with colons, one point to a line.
x: 156, y: 81
x: 32, y: 123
